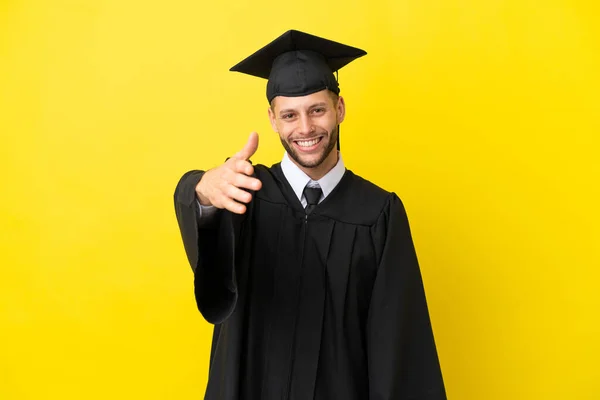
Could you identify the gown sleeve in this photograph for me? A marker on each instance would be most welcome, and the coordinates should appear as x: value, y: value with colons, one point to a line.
x: 402, y: 357
x: 210, y: 250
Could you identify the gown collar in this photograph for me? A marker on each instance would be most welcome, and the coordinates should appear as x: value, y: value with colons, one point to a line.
x: 298, y: 179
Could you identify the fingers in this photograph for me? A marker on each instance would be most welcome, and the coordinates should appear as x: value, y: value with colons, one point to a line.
x: 243, y: 177
x: 243, y: 167
x: 226, y: 199
x: 233, y: 206
x: 232, y: 196
x: 230, y: 193
x: 238, y: 194
x: 249, y: 149
x: 246, y: 182
x: 236, y: 175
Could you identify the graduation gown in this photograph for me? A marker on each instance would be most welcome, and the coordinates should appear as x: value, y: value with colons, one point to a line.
x: 323, y: 306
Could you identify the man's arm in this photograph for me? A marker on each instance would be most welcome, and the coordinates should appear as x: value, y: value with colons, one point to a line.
x: 209, y: 207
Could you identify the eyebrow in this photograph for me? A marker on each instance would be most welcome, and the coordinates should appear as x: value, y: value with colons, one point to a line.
x: 291, y: 110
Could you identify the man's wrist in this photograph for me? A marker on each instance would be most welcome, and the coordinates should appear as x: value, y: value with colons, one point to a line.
x: 202, y: 199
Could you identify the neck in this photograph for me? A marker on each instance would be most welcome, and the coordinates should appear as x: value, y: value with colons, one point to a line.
x: 322, y: 169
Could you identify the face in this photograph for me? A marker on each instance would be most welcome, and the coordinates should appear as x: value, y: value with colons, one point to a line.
x: 308, y: 126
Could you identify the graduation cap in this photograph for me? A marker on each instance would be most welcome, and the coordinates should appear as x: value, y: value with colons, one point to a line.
x: 298, y: 64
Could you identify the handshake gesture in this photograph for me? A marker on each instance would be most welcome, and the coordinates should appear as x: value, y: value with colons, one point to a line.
x: 223, y: 186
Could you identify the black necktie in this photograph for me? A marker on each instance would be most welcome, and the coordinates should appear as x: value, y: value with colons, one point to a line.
x: 312, y: 198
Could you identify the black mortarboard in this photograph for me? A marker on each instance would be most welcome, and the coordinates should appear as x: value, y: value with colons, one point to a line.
x: 298, y: 64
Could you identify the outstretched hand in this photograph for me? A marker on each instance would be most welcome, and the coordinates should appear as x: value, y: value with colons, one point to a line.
x: 223, y: 187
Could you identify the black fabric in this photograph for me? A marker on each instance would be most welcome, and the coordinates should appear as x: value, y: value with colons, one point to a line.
x: 324, y: 306
x: 298, y: 64
x: 312, y: 198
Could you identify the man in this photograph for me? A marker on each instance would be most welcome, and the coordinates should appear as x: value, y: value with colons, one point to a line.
x: 307, y: 271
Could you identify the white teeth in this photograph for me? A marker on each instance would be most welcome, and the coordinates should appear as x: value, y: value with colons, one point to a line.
x: 307, y: 143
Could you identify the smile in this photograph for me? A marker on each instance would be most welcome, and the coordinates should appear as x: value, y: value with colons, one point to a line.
x: 308, y: 143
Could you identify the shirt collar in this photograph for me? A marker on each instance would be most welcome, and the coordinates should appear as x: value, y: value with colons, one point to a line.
x: 298, y: 179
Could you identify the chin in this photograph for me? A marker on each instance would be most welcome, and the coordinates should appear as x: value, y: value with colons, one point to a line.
x: 311, y: 162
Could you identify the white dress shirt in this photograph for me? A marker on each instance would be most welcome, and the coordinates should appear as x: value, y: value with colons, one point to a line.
x: 298, y: 181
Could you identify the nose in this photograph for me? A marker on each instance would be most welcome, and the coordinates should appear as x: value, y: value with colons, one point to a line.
x: 305, y: 126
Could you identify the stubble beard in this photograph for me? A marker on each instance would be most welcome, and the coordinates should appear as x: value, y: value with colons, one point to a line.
x: 332, y: 137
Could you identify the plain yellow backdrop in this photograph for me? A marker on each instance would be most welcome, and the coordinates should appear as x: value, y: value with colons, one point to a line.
x: 482, y: 115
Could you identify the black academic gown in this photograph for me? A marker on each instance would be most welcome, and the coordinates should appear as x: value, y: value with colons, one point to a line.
x: 325, y: 306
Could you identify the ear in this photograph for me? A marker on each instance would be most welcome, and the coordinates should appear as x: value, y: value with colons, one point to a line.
x: 272, y: 119
x: 341, y: 109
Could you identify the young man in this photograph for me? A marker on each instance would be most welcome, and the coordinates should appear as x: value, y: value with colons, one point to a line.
x: 307, y: 271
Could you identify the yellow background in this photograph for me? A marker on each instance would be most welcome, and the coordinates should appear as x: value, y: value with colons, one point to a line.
x: 482, y: 115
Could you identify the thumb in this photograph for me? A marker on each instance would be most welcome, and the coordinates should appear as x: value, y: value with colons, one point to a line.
x: 250, y: 147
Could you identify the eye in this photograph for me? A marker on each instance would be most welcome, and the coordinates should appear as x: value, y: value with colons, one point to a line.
x: 287, y: 116
x: 318, y: 110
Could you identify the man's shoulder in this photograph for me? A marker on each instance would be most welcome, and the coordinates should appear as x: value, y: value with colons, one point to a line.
x: 359, y: 201
x: 265, y: 171
x: 368, y: 187
x: 265, y: 167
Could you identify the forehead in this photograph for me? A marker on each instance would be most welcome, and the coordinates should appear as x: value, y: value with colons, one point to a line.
x: 282, y: 102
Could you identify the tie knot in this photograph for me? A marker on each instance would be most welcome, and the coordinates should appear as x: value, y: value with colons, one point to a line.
x: 312, y: 195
